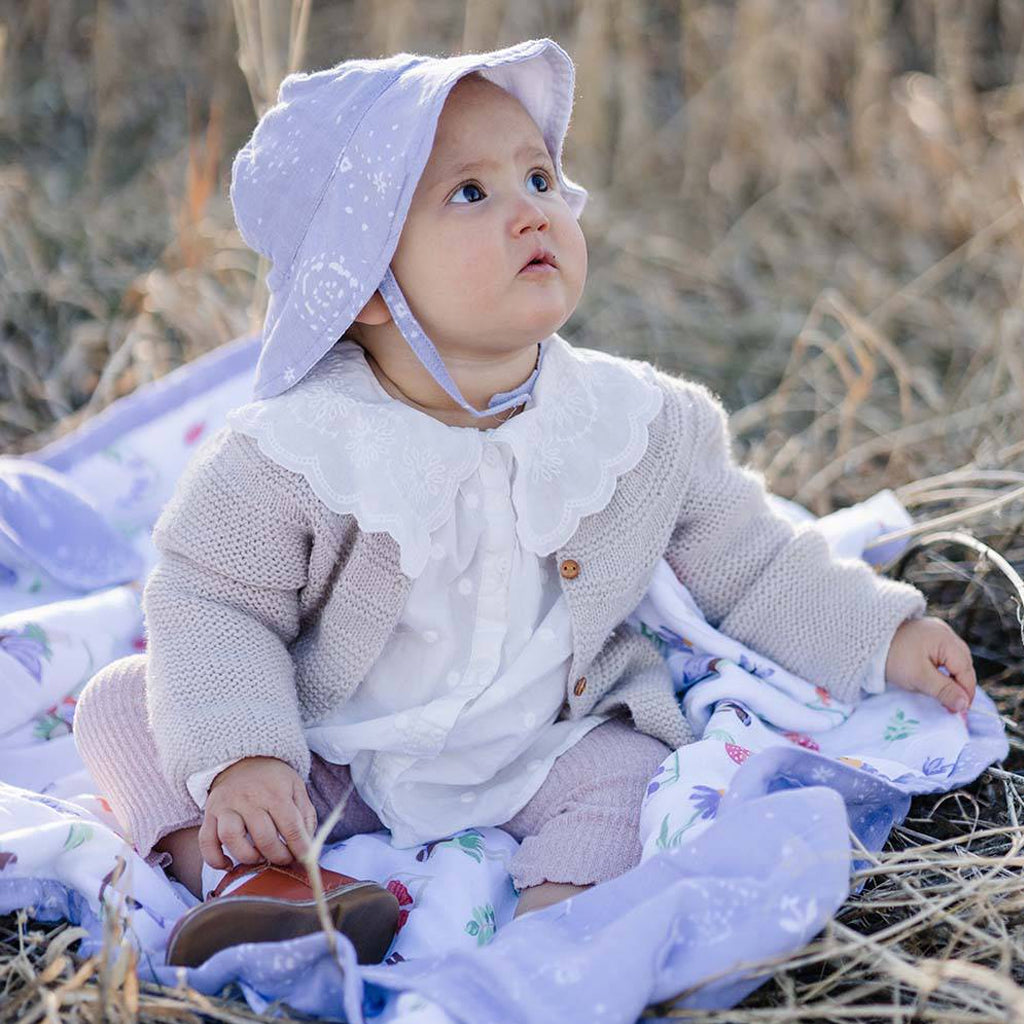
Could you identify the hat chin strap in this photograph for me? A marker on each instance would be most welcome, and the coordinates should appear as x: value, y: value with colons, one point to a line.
x: 429, y: 357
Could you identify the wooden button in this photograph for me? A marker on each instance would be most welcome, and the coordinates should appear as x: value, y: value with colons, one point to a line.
x: 581, y: 685
x: 569, y: 568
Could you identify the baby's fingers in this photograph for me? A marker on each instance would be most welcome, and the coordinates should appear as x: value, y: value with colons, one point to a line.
x: 263, y: 829
x: 306, y: 809
x: 209, y: 844
x: 956, y: 658
x: 225, y: 831
x: 231, y: 831
x: 293, y: 828
x: 940, y: 685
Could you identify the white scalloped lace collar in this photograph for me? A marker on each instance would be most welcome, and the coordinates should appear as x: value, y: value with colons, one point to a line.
x: 397, y: 469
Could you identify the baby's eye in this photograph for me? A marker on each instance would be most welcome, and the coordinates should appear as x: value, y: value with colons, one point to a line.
x: 535, y: 173
x: 469, y: 185
x: 544, y: 176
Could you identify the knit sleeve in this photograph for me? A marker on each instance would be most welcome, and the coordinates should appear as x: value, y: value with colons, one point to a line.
x: 221, y: 608
x: 770, y: 584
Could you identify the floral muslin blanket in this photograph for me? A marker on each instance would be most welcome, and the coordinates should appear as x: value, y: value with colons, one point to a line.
x: 777, y: 758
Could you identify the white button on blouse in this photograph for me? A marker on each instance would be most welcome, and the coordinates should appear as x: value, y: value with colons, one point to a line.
x: 456, y: 723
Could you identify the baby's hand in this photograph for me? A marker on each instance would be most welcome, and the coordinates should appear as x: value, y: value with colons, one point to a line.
x: 264, y: 796
x: 918, y: 648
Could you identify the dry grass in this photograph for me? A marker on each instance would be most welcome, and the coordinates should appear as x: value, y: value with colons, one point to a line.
x: 814, y: 206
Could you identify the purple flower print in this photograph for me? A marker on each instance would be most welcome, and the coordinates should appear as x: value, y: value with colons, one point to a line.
x: 935, y: 766
x: 741, y: 713
x: 674, y: 639
x: 665, y: 639
x: 135, y: 494
x: 27, y: 646
x: 56, y: 720
x: 143, y: 476
x: 56, y: 804
x: 706, y: 800
x: 761, y: 671
x: 698, y: 668
x: 8, y: 577
x: 665, y: 775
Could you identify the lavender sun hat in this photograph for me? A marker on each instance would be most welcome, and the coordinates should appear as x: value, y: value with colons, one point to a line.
x: 323, y: 186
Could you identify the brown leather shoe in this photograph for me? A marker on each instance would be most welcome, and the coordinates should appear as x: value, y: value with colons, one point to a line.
x: 277, y: 903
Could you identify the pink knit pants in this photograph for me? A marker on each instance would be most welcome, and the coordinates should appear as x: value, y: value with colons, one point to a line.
x: 580, y: 827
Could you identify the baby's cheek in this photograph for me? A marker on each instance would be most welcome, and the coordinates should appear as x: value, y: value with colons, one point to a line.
x: 580, y: 257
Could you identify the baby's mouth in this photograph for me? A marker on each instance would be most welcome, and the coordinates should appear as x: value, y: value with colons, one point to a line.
x: 540, y: 258
x: 540, y: 265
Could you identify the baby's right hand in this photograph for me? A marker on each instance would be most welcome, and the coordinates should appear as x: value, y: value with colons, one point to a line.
x: 264, y: 796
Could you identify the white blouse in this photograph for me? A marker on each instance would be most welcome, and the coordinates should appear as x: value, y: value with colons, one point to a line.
x: 455, y: 724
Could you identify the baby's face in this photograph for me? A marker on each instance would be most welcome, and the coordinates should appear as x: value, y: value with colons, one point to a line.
x: 470, y: 231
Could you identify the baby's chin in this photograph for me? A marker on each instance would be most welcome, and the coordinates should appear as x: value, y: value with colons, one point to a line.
x: 521, y: 316
x: 534, y: 309
x: 528, y: 330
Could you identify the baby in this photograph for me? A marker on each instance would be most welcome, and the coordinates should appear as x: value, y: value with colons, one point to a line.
x: 408, y: 564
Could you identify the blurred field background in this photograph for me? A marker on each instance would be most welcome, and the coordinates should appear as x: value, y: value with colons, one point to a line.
x: 813, y: 206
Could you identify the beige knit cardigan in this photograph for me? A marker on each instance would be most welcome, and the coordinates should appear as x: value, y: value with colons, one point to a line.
x: 266, y: 608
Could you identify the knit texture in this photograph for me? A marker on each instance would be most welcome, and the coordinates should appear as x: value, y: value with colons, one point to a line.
x: 775, y: 586
x: 581, y: 826
x: 112, y: 735
x: 267, y: 609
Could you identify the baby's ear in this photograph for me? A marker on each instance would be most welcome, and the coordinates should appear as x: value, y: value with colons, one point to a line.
x: 374, y: 312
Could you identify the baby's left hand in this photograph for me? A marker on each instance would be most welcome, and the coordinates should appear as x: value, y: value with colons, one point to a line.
x: 918, y: 648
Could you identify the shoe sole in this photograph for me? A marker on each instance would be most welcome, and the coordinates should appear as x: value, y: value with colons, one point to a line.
x: 365, y: 912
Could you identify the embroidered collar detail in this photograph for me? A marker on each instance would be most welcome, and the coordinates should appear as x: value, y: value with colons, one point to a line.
x: 397, y: 469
